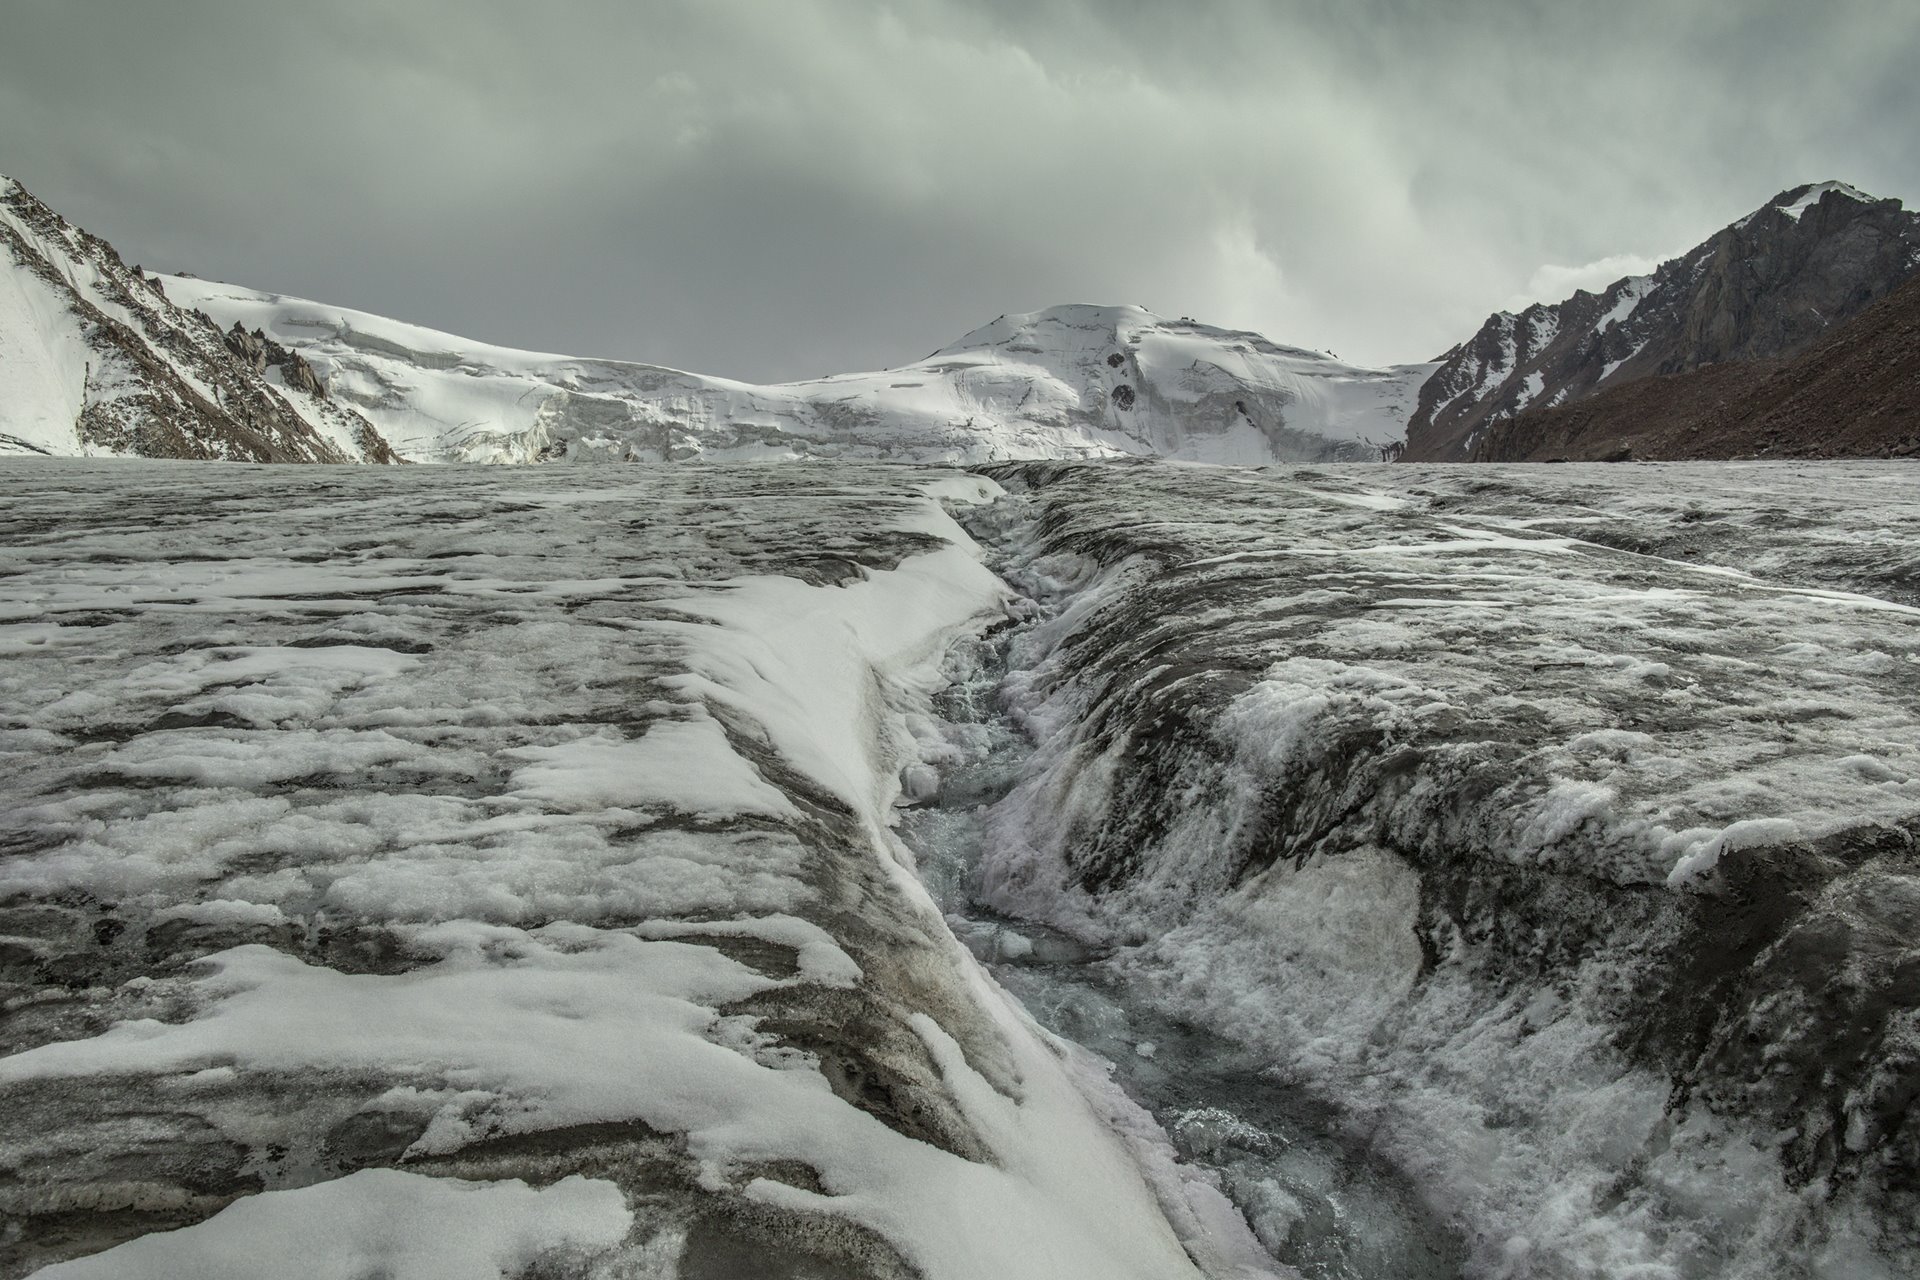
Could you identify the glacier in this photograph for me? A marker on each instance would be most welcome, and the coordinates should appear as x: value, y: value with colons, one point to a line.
x: 1046, y: 868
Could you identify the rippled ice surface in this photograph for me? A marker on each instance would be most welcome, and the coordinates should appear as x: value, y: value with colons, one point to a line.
x: 1557, y: 824
x: 419, y: 872
x: 1490, y: 871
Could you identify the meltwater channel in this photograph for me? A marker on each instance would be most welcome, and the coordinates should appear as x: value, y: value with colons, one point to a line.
x: 1318, y: 1199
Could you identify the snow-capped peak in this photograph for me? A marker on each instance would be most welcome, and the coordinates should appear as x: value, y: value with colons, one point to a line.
x: 1807, y: 197
x: 1797, y: 200
x: 1069, y: 381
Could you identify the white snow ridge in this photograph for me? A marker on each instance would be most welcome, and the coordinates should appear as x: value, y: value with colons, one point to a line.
x: 1075, y: 381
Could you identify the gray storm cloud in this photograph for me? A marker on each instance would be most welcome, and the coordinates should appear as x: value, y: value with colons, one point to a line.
x: 775, y: 190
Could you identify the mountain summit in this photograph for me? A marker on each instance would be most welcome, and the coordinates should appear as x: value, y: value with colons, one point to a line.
x: 1764, y: 287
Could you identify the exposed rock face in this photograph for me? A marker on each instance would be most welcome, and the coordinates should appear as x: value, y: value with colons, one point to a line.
x: 262, y: 352
x: 1855, y: 393
x: 1763, y: 288
x: 99, y: 361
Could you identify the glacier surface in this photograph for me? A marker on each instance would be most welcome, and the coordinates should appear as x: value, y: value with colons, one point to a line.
x: 1057, y: 868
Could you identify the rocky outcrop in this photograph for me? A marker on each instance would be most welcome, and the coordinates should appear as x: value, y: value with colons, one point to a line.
x: 1764, y: 288
x: 1854, y: 394
x: 99, y: 361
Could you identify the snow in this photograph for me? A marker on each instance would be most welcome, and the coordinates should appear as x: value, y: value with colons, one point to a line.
x: 1543, y: 326
x: 1633, y: 291
x: 1646, y: 739
x: 1818, y: 192
x: 1535, y: 383
x: 402, y: 1226
x: 1606, y: 370
x: 683, y: 765
x: 46, y: 360
x: 80, y: 330
x: 1034, y: 385
x: 548, y: 830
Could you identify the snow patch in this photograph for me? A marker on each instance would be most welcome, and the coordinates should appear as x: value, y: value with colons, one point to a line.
x: 1814, y: 194
x: 384, y: 1222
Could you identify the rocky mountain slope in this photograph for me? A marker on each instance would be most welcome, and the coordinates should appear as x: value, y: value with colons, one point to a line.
x: 1855, y: 393
x: 1068, y: 382
x: 103, y: 359
x: 1762, y: 288
x: 95, y: 359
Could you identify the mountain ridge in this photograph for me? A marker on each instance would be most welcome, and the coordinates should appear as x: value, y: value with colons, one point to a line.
x: 105, y: 359
x: 1078, y: 380
x: 103, y: 362
x: 1854, y: 393
x: 1765, y: 286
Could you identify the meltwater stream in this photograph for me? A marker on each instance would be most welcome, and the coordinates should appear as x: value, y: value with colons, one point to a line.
x: 1316, y: 1198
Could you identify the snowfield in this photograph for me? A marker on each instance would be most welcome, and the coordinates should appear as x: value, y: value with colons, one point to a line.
x: 1068, y: 382
x: 1057, y: 869
x: 101, y: 359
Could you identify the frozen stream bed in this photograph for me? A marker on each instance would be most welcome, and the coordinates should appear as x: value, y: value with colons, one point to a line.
x: 832, y: 871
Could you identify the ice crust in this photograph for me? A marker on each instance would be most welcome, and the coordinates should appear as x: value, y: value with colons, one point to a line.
x: 466, y: 845
x: 515, y: 853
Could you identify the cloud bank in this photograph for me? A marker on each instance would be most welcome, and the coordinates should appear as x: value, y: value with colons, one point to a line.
x: 781, y: 189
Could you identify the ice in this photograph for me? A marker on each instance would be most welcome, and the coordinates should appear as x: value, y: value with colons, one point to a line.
x: 1533, y: 844
x: 496, y: 828
x: 1701, y: 856
x: 683, y: 765
x: 1451, y: 808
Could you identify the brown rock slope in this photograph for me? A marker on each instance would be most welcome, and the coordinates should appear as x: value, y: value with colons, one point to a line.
x: 1854, y: 394
x: 1764, y: 288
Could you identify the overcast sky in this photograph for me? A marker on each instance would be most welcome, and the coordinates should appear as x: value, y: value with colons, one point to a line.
x: 779, y: 188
